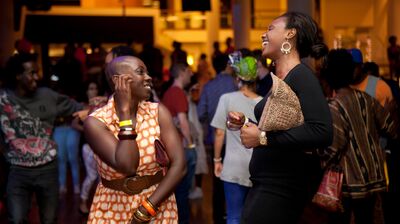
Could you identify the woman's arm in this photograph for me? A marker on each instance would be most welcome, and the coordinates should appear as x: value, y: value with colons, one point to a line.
x: 174, y: 149
x: 123, y: 155
x: 317, y: 130
x: 218, y: 143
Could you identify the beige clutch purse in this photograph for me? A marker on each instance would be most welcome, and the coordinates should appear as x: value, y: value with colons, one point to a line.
x: 282, y: 110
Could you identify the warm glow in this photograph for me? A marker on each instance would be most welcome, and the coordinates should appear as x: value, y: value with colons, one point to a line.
x: 269, y: 61
x: 89, y: 51
x: 190, y: 59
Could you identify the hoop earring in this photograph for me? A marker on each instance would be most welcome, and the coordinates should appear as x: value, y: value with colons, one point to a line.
x: 286, y: 47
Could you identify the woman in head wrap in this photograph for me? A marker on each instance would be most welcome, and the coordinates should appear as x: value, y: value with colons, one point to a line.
x: 234, y: 168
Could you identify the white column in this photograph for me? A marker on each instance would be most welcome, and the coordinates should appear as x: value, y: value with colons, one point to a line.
x: 212, y: 27
x: 394, y: 18
x: 241, y: 22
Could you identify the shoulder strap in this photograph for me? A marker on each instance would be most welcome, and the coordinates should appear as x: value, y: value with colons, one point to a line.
x: 371, y: 85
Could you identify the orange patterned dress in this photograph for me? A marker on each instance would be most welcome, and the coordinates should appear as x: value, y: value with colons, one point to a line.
x: 111, y: 206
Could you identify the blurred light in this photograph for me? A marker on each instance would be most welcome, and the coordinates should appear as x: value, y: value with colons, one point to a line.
x: 54, y: 78
x: 32, y: 51
x: 190, y: 59
x: 171, y: 18
x: 89, y: 51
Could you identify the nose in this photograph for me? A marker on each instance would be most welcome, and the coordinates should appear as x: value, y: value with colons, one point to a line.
x: 264, y: 35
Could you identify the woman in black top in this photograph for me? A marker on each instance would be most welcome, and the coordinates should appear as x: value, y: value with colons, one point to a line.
x: 283, y: 170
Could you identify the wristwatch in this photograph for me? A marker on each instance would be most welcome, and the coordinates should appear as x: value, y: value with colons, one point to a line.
x: 263, y: 138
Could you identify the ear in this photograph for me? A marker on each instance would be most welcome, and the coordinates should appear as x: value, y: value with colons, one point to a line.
x: 292, y: 32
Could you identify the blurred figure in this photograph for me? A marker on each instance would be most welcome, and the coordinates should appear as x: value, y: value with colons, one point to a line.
x: 369, y: 83
x: 23, y: 46
x: 212, y: 91
x: 229, y: 47
x: 233, y: 168
x: 264, y: 80
x: 89, y: 161
x: 178, y: 55
x: 175, y: 100
x: 358, y: 121
x: 203, y: 73
x: 393, y: 54
x: 153, y: 58
x: 28, y: 114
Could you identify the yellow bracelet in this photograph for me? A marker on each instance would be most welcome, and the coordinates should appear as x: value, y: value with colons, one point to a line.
x: 125, y: 123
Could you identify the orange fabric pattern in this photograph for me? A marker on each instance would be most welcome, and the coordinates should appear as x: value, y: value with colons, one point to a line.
x: 110, y: 206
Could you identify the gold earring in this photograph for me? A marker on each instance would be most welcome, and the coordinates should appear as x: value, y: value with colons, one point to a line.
x: 286, y: 47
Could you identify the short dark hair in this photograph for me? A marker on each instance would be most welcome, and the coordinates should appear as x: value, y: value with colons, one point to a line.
x: 14, y: 67
x: 176, y: 68
x: 220, y: 62
x: 309, y: 41
x: 371, y: 68
x: 338, y: 68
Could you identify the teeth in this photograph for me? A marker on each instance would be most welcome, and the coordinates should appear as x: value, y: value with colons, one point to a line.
x: 265, y: 43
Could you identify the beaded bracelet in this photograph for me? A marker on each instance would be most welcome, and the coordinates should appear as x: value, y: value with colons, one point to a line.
x: 150, y: 208
x: 125, y: 123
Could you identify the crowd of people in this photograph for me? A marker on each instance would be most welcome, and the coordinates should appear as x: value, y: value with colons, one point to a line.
x: 265, y: 132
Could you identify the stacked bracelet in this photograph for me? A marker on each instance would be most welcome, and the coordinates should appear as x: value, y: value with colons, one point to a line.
x: 125, y: 134
x: 125, y: 123
x: 140, y: 216
x: 150, y: 208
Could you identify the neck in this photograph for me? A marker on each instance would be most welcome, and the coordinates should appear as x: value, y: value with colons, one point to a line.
x: 286, y: 63
x: 19, y: 91
x: 248, y: 91
x: 262, y: 73
x: 178, y: 83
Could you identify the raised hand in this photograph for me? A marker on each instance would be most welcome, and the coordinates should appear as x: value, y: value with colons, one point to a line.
x: 122, y: 96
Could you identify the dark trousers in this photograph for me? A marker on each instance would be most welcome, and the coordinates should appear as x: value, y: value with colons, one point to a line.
x: 23, y: 183
x: 183, y: 188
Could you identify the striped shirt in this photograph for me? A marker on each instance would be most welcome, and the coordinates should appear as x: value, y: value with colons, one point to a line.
x: 358, y: 121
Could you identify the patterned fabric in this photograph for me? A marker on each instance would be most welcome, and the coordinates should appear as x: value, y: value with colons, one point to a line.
x: 110, y: 206
x: 282, y: 110
x: 358, y: 119
x: 28, y: 140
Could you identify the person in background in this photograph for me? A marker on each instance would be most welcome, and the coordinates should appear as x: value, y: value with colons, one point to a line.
x: 229, y: 47
x: 370, y: 84
x: 89, y: 161
x: 198, y: 139
x: 393, y: 54
x: 359, y: 120
x: 284, y: 172
x: 264, y: 80
x: 27, y: 121
x: 233, y: 169
x: 212, y: 91
x: 175, y: 100
x: 133, y: 187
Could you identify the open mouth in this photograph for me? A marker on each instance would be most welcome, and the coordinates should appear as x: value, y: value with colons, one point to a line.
x: 148, y: 86
x: 265, y: 42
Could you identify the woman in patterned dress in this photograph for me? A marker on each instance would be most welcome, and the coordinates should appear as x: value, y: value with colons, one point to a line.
x: 119, y: 159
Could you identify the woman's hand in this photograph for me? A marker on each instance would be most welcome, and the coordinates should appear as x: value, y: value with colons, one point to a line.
x: 249, y: 134
x: 217, y: 169
x: 235, y: 120
x: 122, y: 96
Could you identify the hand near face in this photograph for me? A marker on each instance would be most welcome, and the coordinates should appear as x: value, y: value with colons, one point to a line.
x: 249, y: 134
x: 123, y: 95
